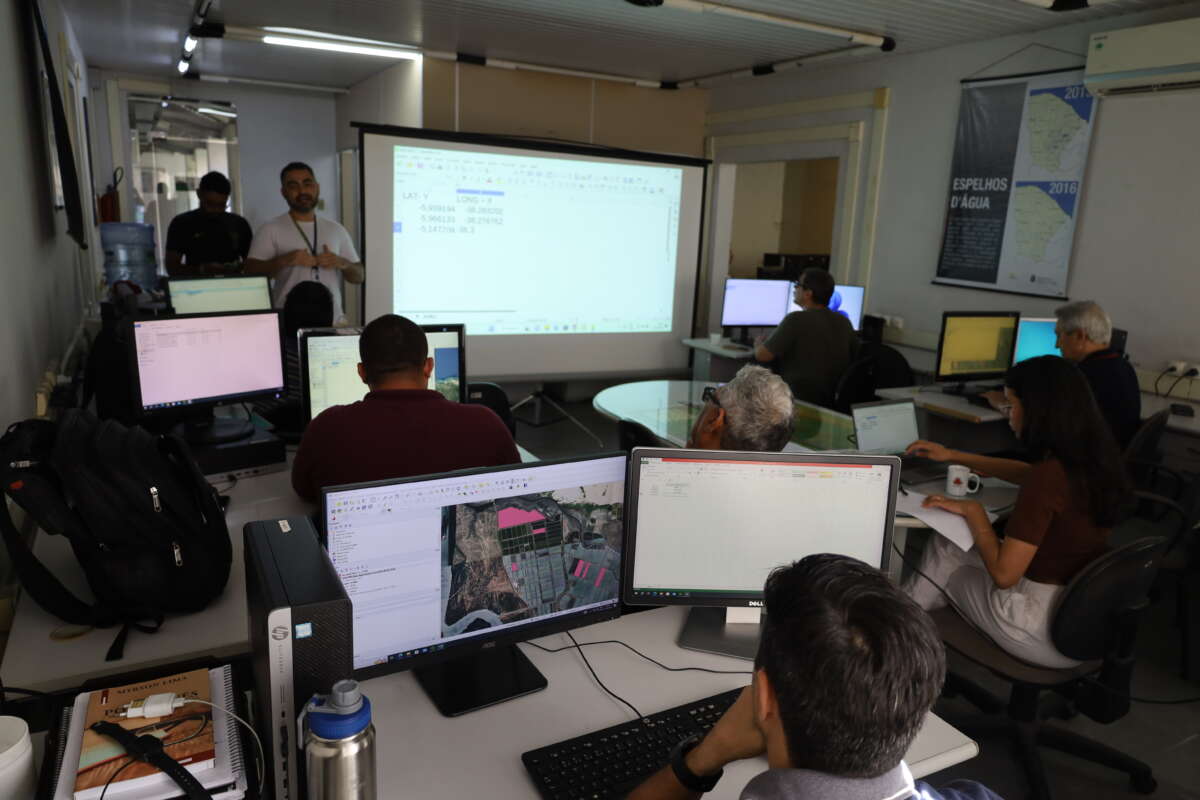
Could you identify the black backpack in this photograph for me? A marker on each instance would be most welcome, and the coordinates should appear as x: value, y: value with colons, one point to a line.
x: 146, y: 526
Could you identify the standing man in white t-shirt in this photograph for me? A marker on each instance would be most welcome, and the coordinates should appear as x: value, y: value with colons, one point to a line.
x: 300, y: 246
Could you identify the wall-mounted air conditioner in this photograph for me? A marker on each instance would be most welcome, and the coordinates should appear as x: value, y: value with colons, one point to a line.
x: 1145, y: 59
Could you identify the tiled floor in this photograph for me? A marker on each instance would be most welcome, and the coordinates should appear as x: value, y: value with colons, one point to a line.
x: 1165, y: 736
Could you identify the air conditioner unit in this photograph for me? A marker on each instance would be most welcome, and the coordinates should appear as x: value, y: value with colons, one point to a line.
x: 1149, y: 58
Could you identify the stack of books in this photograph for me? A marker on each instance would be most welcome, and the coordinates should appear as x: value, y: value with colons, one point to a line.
x: 202, y: 739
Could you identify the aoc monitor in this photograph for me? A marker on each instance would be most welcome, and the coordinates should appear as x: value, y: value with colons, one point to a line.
x: 212, y: 295
x: 976, y: 345
x: 329, y: 365
x: 750, y: 302
x: 447, y: 572
x: 705, y: 528
x: 1036, y: 337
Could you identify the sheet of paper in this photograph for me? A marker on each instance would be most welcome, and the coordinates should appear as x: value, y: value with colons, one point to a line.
x: 952, y: 526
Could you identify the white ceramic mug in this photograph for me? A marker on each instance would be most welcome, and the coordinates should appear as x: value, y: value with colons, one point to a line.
x: 714, y: 338
x: 960, y: 481
x: 17, y: 778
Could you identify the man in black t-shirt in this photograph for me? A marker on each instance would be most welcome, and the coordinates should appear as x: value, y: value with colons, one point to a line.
x: 208, y: 240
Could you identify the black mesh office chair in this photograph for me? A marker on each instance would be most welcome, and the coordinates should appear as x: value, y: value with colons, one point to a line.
x: 856, y: 386
x: 1096, y: 622
x: 632, y: 434
x: 495, y: 398
x: 891, y: 367
x: 1180, y: 566
x: 1143, y: 459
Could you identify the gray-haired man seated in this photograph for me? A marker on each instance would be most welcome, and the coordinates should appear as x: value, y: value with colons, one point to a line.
x: 751, y: 412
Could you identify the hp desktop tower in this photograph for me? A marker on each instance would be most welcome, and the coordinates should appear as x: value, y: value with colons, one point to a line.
x: 301, y: 637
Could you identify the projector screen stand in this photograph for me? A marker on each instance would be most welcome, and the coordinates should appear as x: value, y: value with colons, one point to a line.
x: 536, y: 420
x: 711, y: 630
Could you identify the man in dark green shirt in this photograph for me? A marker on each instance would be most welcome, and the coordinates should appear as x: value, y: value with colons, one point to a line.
x: 814, y: 346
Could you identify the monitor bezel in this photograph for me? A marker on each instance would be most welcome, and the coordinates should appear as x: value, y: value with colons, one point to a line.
x: 1017, y: 338
x: 734, y: 599
x: 783, y: 311
x: 266, y: 284
x: 967, y: 377
x: 204, y: 402
x: 304, y: 334
x: 522, y: 633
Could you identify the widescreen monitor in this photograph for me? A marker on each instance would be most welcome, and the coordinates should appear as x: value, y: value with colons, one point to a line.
x: 193, y: 363
x: 224, y: 294
x: 329, y: 365
x: 976, y: 345
x: 705, y: 528
x: 1036, y: 337
x: 454, y: 567
x: 847, y: 300
x: 750, y: 302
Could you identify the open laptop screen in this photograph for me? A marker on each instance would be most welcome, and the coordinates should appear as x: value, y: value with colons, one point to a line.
x: 885, y: 428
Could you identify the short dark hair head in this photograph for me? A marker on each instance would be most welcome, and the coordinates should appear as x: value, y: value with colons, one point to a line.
x: 309, y: 304
x: 1061, y: 420
x: 391, y: 343
x: 295, y: 165
x: 819, y: 282
x: 855, y: 664
x: 215, y: 182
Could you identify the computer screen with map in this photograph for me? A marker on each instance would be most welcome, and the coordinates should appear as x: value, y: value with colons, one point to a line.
x: 329, y: 365
x: 439, y: 567
x: 976, y: 345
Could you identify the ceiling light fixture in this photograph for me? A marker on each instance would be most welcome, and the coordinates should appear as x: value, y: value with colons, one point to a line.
x: 183, y: 66
x: 705, y: 7
x: 217, y: 111
x: 189, y: 44
x: 342, y: 47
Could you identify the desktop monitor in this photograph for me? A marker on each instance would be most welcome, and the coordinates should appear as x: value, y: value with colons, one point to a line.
x: 847, y: 300
x: 194, y: 363
x: 704, y: 528
x: 329, y: 365
x: 1035, y: 337
x: 211, y: 295
x: 750, y: 302
x: 976, y: 345
x: 447, y: 572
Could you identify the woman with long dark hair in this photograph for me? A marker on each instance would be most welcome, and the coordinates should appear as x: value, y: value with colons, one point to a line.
x: 1069, y: 500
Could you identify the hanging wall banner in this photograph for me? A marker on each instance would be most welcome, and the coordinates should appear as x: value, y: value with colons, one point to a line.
x: 1019, y: 156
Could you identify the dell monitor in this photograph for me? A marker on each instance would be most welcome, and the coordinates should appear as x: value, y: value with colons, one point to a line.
x: 975, y: 346
x: 705, y: 528
x: 211, y: 295
x: 329, y: 365
x: 847, y: 300
x: 446, y: 573
x: 194, y: 363
x: 750, y: 302
x: 1036, y: 337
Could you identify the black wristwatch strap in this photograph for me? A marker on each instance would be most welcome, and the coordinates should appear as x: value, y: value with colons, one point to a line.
x: 684, y: 774
x: 149, y: 748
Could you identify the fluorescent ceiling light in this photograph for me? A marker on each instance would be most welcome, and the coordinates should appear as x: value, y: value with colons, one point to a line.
x: 189, y: 44
x: 343, y: 47
x: 217, y: 111
x: 182, y: 66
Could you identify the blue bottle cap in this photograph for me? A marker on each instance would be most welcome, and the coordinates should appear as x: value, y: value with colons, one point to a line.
x: 343, y: 713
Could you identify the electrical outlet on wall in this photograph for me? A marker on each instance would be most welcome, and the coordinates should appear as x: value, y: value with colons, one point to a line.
x: 1177, y: 367
x: 898, y: 323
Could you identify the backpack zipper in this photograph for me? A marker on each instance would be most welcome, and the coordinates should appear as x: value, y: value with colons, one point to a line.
x: 154, y: 498
x: 178, y: 554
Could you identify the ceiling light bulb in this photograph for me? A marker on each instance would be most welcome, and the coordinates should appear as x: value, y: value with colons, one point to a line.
x: 216, y: 111
x: 182, y: 66
x: 189, y: 44
x: 342, y: 47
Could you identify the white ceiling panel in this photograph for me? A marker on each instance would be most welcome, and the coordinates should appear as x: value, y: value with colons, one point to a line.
x: 610, y: 36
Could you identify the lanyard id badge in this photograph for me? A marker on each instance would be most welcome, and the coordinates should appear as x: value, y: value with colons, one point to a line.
x: 316, y: 272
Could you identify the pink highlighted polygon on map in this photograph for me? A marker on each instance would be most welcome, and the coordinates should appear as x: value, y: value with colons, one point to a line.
x: 510, y: 517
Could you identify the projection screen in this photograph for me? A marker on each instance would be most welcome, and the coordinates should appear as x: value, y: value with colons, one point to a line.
x: 561, y: 260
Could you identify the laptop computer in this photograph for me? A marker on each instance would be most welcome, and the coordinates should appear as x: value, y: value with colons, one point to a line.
x: 887, y: 428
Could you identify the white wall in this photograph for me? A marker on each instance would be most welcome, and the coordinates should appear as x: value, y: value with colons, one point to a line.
x: 920, y: 139
x: 274, y: 126
x: 390, y: 97
x: 757, y: 215
x: 39, y: 302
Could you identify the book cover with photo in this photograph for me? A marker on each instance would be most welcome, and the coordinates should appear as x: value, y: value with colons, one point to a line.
x: 187, y: 732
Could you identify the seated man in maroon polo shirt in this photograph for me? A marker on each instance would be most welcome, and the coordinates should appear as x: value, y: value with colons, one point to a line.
x: 401, y: 428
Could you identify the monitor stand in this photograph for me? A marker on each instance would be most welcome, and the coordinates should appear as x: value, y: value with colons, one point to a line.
x: 202, y: 428
x: 741, y: 337
x: 480, y: 680
x: 724, y: 631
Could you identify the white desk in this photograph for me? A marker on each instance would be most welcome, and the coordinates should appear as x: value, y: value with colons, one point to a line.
x: 479, y: 754
x: 947, y: 405
x: 1152, y: 404
x: 717, y: 362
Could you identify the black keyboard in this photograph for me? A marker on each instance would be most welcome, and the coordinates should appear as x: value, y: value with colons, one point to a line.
x: 611, y: 762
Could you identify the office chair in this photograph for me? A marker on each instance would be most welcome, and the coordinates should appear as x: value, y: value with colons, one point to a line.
x: 857, y: 385
x: 1096, y: 622
x: 1143, y: 460
x: 491, y: 395
x: 632, y: 434
x: 891, y: 367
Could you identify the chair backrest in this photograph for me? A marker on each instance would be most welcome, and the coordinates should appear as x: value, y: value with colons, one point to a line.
x: 891, y: 367
x: 1090, y: 609
x: 857, y: 385
x: 632, y: 434
x: 1144, y: 444
x: 495, y: 398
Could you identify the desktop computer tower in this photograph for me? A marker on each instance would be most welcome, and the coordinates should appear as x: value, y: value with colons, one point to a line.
x: 301, y: 638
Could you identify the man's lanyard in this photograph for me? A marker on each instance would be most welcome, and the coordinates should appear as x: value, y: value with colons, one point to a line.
x: 311, y: 245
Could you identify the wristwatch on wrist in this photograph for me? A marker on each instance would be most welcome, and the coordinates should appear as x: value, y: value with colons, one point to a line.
x: 684, y: 774
x: 150, y: 749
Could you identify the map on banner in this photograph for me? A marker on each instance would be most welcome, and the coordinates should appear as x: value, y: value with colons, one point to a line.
x: 1020, y: 153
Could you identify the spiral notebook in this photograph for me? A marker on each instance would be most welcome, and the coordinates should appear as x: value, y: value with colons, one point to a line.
x: 223, y: 775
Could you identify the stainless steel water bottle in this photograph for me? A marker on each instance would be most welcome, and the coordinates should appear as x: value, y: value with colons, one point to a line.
x: 339, y: 745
